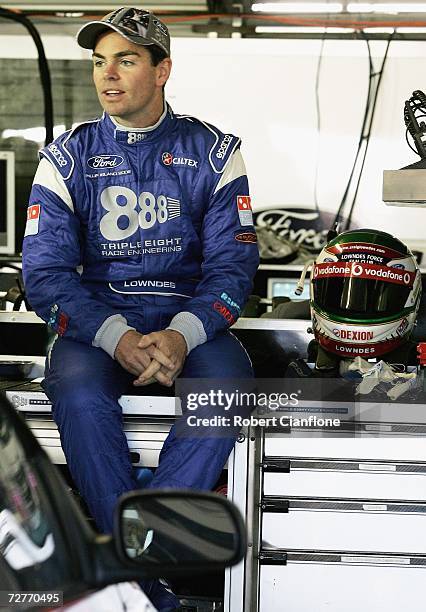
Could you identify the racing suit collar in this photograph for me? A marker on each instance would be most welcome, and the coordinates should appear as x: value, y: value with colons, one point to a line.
x: 139, y: 136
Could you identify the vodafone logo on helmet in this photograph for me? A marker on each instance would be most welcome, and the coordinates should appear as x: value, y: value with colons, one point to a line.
x: 334, y: 269
x: 364, y: 271
x: 357, y: 270
x: 392, y: 274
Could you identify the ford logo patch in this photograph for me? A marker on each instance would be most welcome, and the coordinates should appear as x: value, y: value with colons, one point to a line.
x: 105, y: 161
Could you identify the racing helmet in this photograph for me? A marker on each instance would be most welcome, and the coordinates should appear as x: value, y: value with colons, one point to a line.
x: 365, y: 294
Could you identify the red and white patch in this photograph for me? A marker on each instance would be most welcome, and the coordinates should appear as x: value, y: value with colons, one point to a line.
x: 167, y: 159
x: 62, y: 323
x: 358, y: 350
x: 33, y: 216
x: 364, y: 247
x: 364, y: 271
x: 244, y: 210
x: 247, y: 237
x: 224, y: 312
x: 364, y: 340
x: 244, y: 202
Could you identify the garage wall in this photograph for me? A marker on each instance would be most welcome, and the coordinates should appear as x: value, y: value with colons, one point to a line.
x: 263, y: 90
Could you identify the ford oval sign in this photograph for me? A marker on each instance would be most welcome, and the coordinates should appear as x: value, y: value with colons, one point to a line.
x: 105, y: 161
x: 282, y: 231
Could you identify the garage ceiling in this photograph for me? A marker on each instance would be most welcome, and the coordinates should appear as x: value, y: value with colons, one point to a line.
x: 246, y: 18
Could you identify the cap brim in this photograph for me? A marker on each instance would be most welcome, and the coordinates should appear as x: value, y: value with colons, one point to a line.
x: 88, y: 34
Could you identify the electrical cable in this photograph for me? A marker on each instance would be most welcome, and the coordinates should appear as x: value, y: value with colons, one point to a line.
x: 43, y: 68
x: 370, y: 107
x: 370, y: 126
x: 364, y: 121
x: 318, y: 115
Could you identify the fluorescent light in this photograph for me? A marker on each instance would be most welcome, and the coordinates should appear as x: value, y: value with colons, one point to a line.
x: 379, y: 30
x: 360, y: 7
x: 339, y: 30
x: 69, y: 14
x: 411, y: 30
x: 299, y: 30
x: 296, y: 7
x: 386, y: 7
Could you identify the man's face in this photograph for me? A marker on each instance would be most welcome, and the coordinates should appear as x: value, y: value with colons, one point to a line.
x: 129, y: 87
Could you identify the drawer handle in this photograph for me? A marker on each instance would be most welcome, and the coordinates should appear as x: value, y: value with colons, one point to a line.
x: 373, y: 560
x: 375, y: 507
x: 377, y: 467
x: 378, y: 427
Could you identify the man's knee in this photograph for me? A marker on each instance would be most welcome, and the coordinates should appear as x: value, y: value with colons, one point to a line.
x: 72, y: 388
x: 222, y: 357
x: 76, y: 375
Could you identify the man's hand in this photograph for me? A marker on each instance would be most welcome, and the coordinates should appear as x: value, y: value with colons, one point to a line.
x: 172, y: 345
x: 136, y: 359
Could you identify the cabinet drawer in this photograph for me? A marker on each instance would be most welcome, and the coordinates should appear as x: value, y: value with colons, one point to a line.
x: 403, y: 448
x: 340, y: 478
x: 328, y: 588
x: 351, y: 525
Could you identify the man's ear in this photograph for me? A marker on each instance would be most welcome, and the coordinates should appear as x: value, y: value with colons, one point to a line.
x: 163, y: 71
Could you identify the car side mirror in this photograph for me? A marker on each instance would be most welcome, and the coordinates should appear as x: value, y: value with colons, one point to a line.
x: 179, y: 531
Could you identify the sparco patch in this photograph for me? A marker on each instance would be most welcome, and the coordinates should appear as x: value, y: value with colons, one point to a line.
x: 224, y: 145
x: 57, y: 154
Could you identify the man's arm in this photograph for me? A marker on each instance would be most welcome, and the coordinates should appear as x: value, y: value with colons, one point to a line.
x: 230, y: 258
x: 148, y: 361
x: 230, y: 261
x: 51, y: 255
x: 170, y: 343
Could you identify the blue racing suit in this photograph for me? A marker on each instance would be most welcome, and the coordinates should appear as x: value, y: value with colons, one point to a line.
x: 137, y: 229
x: 159, y: 211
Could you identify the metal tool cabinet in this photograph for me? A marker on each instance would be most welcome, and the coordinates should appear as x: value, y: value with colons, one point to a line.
x: 146, y: 420
x: 336, y: 523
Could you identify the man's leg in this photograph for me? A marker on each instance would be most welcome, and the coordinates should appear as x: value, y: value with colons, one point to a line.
x: 84, y: 384
x: 196, y: 462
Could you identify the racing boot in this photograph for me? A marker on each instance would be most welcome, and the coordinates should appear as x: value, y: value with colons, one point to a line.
x: 161, y: 595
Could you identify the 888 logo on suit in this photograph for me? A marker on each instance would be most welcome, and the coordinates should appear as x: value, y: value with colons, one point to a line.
x: 123, y: 218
